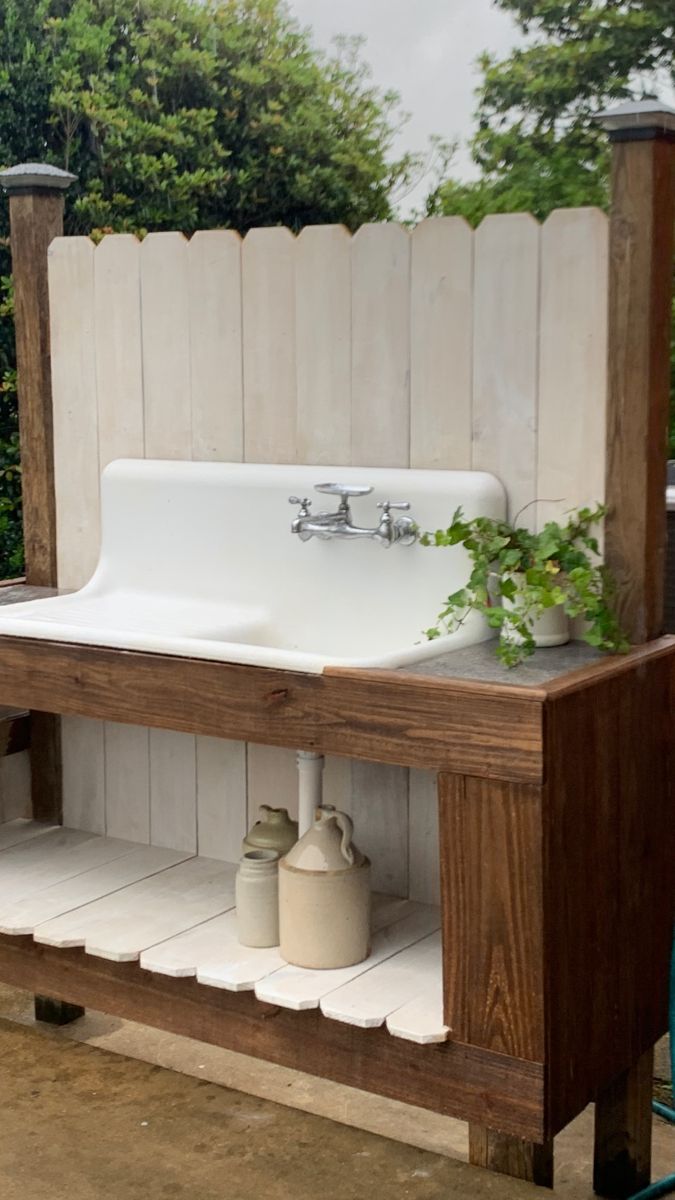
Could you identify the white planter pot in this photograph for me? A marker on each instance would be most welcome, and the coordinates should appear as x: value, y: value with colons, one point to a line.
x: 552, y: 628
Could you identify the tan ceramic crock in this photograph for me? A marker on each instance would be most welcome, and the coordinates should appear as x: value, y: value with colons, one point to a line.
x: 324, y: 896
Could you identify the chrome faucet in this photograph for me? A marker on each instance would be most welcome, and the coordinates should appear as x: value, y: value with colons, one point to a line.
x: 339, y: 524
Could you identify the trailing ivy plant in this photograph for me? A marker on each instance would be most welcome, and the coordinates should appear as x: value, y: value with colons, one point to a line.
x: 535, y: 571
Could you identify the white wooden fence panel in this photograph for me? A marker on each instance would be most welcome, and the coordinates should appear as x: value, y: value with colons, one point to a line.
x: 505, y: 359
x: 214, y: 272
x: 441, y: 367
x: 381, y: 346
x: 323, y: 344
x: 573, y: 361
x: 121, y: 434
x: 268, y: 301
x: 76, y: 466
x: 381, y: 437
x: 168, y: 434
x: 119, y: 356
x: 216, y: 369
x: 443, y: 348
x: 270, y: 427
x: 165, y: 315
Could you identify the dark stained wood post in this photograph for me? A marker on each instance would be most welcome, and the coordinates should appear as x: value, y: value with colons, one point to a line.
x: 36, y: 194
x: 640, y: 297
x: 640, y: 293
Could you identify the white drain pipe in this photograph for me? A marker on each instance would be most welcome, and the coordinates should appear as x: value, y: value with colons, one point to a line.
x: 310, y: 787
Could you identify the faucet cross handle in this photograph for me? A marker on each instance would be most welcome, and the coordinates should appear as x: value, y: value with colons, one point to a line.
x: 304, y: 504
x: 385, y: 505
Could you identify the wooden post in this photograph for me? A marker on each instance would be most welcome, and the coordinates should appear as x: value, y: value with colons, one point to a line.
x: 36, y: 217
x: 640, y: 296
x: 36, y: 193
x: 640, y: 293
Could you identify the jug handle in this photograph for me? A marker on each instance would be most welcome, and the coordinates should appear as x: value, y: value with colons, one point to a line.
x: 344, y: 824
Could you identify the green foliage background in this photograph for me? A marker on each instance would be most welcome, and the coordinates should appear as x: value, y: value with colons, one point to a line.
x: 182, y: 114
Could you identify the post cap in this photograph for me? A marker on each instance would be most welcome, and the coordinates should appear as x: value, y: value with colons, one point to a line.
x: 636, y: 120
x: 28, y: 177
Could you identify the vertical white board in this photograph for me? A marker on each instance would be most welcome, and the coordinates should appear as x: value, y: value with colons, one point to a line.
x: 127, y: 782
x: 76, y: 479
x: 381, y: 346
x: 270, y: 429
x: 573, y: 361
x: 15, y: 798
x: 119, y: 362
x: 379, y: 810
x: 441, y: 366
x: 168, y: 434
x: 214, y: 273
x: 173, y: 790
x: 425, y: 877
x: 165, y: 315
x: 505, y: 356
x: 381, y: 437
x: 76, y: 466
x: 121, y: 434
x: 83, y: 774
x: 268, y: 305
x: 217, y: 416
x: 323, y: 344
x: 221, y: 798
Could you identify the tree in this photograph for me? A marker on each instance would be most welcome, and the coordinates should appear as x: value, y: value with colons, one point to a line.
x: 183, y: 114
x: 536, y: 145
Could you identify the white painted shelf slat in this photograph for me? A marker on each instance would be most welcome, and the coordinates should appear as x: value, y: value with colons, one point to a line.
x: 175, y: 912
x: 368, y: 1000
x: 12, y: 833
x: 121, y: 926
x: 25, y: 915
x: 299, y: 988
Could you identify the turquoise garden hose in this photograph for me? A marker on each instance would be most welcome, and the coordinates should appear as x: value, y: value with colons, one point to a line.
x: 664, y: 1187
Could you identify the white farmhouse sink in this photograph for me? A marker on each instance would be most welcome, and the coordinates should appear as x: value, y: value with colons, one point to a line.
x: 198, y: 559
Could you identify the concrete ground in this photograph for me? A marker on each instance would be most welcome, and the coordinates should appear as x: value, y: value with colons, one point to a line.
x: 82, y: 1122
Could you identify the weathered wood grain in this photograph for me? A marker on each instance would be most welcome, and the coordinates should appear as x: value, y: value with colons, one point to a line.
x: 35, y: 220
x: 380, y: 716
x: 640, y: 287
x: 609, y: 845
x: 455, y: 1080
x: 623, y: 1132
x: 491, y: 900
x: 511, y: 1156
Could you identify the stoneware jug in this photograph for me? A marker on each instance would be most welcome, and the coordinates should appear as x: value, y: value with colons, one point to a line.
x: 273, y: 830
x: 324, y: 896
x: 257, y: 898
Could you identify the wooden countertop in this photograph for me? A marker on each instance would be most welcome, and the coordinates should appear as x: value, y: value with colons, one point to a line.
x: 463, y: 712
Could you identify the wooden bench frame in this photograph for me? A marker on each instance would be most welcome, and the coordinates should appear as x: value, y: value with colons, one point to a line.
x: 554, y: 802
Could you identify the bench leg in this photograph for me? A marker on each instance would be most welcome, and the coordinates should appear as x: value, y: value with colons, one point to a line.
x: 56, y: 1012
x: 511, y: 1156
x: 623, y: 1132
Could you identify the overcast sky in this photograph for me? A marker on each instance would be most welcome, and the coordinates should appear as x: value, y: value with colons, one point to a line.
x: 426, y: 50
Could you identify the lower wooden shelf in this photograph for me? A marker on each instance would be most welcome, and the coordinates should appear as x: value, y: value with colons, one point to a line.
x: 174, y: 914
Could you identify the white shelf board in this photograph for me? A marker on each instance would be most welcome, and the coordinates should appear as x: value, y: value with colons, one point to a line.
x: 175, y: 912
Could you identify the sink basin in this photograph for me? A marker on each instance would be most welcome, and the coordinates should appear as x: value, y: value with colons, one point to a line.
x: 197, y: 559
